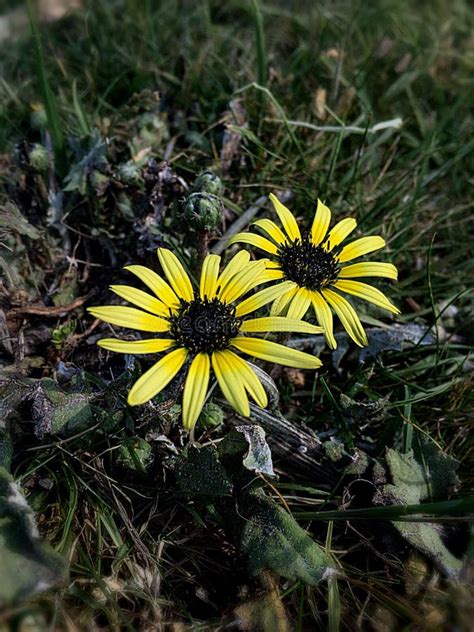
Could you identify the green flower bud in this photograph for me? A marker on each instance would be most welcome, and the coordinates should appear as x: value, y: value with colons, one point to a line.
x: 203, y: 211
x: 38, y: 158
x: 38, y: 118
x: 211, y: 416
x: 208, y: 182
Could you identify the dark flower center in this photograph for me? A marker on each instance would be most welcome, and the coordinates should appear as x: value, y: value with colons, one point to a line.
x: 204, y: 325
x: 307, y: 265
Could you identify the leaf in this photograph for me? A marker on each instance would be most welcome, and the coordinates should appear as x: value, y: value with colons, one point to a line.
x: 28, y: 566
x: 250, y: 441
x: 55, y: 411
x: 198, y: 471
x: 272, y: 539
x: 412, y: 483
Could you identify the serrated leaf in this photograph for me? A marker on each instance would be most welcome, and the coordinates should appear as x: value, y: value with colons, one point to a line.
x: 273, y: 540
x: 28, y: 565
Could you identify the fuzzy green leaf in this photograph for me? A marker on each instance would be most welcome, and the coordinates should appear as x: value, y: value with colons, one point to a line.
x: 272, y: 539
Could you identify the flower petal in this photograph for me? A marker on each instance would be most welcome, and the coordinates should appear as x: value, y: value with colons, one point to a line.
x: 195, y: 389
x: 158, y: 285
x: 286, y: 218
x: 279, y: 305
x: 347, y: 316
x: 254, y: 240
x: 272, y: 274
x: 176, y: 274
x: 369, y: 269
x: 279, y: 323
x: 321, y: 223
x: 368, y: 293
x: 272, y: 230
x: 252, y: 384
x: 243, y: 281
x: 274, y: 352
x: 141, y: 299
x: 230, y: 382
x: 340, y: 231
x: 262, y: 298
x: 151, y: 345
x: 235, y: 265
x: 156, y: 378
x: 209, y: 276
x: 300, y: 304
x: 360, y: 247
x: 129, y: 317
x: 324, y: 316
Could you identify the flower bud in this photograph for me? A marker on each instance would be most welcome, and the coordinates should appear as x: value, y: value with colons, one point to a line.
x: 38, y: 158
x: 38, y: 118
x: 203, y: 211
x: 208, y: 182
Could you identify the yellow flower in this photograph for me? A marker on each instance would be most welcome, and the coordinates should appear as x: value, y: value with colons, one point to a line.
x: 311, y: 269
x: 204, y: 329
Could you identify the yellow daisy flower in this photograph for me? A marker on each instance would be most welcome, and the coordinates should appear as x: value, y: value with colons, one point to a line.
x: 311, y: 268
x: 204, y: 329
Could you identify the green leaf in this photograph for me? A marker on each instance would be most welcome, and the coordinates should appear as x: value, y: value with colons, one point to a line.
x: 411, y: 484
x: 198, y: 471
x: 28, y: 566
x: 272, y: 539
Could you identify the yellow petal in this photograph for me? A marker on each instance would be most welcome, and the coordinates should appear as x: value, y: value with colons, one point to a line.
x: 347, y: 316
x: 360, y: 247
x: 369, y: 269
x: 262, y: 298
x: 274, y: 352
x: 279, y: 305
x: 272, y: 230
x: 321, y: 223
x: 286, y: 218
x: 324, y: 316
x: 156, y: 378
x: 340, y: 231
x: 209, y: 276
x: 249, y: 379
x: 129, y: 317
x: 158, y: 285
x: 368, y: 293
x: 176, y: 274
x: 231, y: 385
x: 272, y: 274
x: 254, y: 240
x: 152, y: 345
x: 243, y: 281
x: 300, y: 303
x: 237, y: 262
x: 195, y: 389
x: 279, y: 323
x: 141, y: 299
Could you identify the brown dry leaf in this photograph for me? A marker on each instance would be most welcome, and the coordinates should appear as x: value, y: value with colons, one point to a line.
x: 319, y: 103
x: 266, y: 615
x: 296, y: 377
x: 345, y: 101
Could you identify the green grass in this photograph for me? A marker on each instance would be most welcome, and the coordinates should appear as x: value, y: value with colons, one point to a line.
x: 138, y: 554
